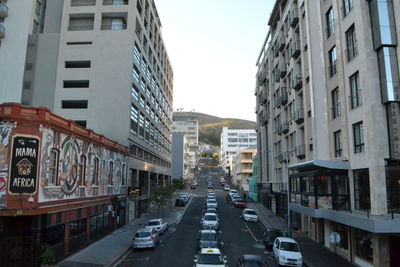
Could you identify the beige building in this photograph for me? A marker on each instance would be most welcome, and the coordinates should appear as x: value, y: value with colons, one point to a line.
x: 328, y: 123
x: 242, y: 167
x: 100, y: 63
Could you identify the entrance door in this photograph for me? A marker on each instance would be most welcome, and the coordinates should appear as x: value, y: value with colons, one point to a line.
x: 394, y: 243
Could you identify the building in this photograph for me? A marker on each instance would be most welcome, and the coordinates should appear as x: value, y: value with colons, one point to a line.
x: 242, y: 168
x: 328, y: 117
x: 188, y: 127
x: 231, y: 140
x: 100, y: 63
x: 254, y: 181
x: 61, y: 185
x: 180, y: 157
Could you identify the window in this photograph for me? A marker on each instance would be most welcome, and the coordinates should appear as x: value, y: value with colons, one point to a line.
x: 135, y: 92
x: 358, y: 137
x: 337, y: 138
x: 323, y: 185
x: 82, y: 170
x: 147, y: 130
x: 364, y: 245
x: 343, y: 231
x: 347, y: 6
x: 134, y: 119
x: 330, y: 22
x: 111, y: 173
x: 81, y: 123
x: 53, y: 166
x: 74, y: 104
x: 355, y: 91
x: 141, y: 125
x: 351, y: 43
x: 135, y: 73
x: 362, y: 198
x: 335, y: 103
x: 76, y: 84
x: 95, y: 175
x: 332, y: 61
x: 142, y: 100
x: 77, y: 64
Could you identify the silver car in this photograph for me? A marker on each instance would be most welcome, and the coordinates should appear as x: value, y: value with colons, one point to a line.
x: 159, y: 224
x: 210, y: 221
x: 146, y: 238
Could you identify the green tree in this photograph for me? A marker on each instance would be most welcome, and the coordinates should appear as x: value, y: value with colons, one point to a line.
x: 178, y: 184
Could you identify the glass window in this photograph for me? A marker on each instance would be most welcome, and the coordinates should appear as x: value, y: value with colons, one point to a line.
x: 134, y: 119
x: 393, y: 188
x: 82, y: 170
x: 389, y: 74
x: 111, y: 173
x: 347, y: 6
x: 77, y: 234
x: 141, y: 125
x: 330, y: 22
x: 362, y: 198
x: 337, y: 137
x: 358, y: 137
x: 323, y: 185
x: 351, y: 43
x: 53, y: 166
x: 343, y: 232
x: 364, y: 245
x: 355, y: 91
x: 135, y: 92
x: 332, y: 61
x: 95, y: 171
x: 335, y: 103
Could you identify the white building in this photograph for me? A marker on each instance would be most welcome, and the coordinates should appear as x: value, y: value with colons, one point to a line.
x: 242, y: 167
x: 188, y: 127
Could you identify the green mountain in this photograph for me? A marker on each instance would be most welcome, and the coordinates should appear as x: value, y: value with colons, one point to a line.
x: 210, y: 127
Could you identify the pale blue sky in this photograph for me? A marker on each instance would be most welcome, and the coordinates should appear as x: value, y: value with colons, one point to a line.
x: 213, y: 46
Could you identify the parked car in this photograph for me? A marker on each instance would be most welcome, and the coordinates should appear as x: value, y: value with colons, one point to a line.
x: 249, y: 215
x: 211, y: 204
x: 180, y: 202
x: 233, y: 192
x: 210, y: 221
x: 251, y: 261
x: 287, y: 252
x: 211, y: 194
x: 211, y: 210
x: 146, y: 238
x: 210, y: 257
x: 238, y: 203
x: 227, y: 187
x: 208, y: 239
x: 210, y: 186
x: 269, y: 237
x: 184, y: 196
x: 159, y: 224
x: 193, y: 186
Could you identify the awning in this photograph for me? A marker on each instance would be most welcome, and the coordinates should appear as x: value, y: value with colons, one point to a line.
x: 327, y: 164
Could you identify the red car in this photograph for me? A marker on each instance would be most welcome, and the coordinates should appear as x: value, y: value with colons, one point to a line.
x: 239, y: 203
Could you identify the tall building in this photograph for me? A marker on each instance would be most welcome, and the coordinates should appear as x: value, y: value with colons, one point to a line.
x: 231, y: 141
x: 102, y: 64
x: 328, y: 96
x: 242, y: 168
x: 188, y: 127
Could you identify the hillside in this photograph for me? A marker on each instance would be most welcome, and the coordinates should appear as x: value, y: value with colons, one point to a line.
x: 210, y: 127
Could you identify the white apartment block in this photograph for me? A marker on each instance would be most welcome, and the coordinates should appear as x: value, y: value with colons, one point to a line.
x: 101, y: 63
x: 242, y: 167
x: 328, y: 104
x: 188, y: 127
x: 231, y: 140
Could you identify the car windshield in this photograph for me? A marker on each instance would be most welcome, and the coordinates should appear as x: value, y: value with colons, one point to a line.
x: 211, y: 211
x: 238, y: 200
x: 210, y: 218
x: 251, y: 212
x: 211, y: 201
x: 142, y: 234
x: 210, y: 259
x: 208, y: 236
x: 289, y: 246
x: 151, y: 223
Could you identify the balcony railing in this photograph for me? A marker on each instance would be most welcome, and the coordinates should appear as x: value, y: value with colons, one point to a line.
x: 335, y: 111
x: 300, y: 151
x: 114, y: 26
x: 284, y: 127
x: 355, y: 99
x: 3, y: 10
x: 295, y: 48
x: 115, y: 2
x: 282, y: 70
x: 283, y: 96
x: 297, y: 82
x: 351, y: 51
x: 282, y: 43
x: 299, y: 115
x: 80, y: 27
x: 332, y: 69
x: 283, y: 157
x: 2, y: 31
x: 294, y: 17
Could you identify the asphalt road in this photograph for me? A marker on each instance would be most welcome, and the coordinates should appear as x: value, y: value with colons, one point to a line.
x: 179, y: 245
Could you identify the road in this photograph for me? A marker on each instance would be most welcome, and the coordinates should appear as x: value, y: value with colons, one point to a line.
x: 179, y: 245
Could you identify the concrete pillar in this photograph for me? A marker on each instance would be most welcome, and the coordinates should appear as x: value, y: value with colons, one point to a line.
x: 381, y: 250
x: 377, y: 184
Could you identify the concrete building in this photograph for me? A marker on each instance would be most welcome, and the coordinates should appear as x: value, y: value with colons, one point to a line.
x: 254, y: 181
x: 328, y: 124
x: 188, y: 127
x: 231, y: 141
x: 242, y: 167
x: 100, y: 63
x: 180, y: 157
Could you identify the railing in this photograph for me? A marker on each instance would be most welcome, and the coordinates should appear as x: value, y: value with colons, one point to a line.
x: 284, y: 127
x: 347, y: 7
x: 351, y: 51
x: 300, y: 151
x: 299, y: 115
x: 283, y: 70
x: 283, y: 96
x: 282, y: 43
x: 355, y: 99
x: 335, y: 111
x: 80, y: 27
x: 332, y: 69
x: 283, y: 157
x: 295, y: 48
x: 3, y: 10
x: 114, y: 26
x: 96, y: 190
x: 297, y: 82
x: 294, y: 17
x: 83, y: 2
x: 115, y: 2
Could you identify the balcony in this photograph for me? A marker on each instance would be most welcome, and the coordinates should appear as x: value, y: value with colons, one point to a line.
x: 282, y: 43
x: 282, y: 71
x: 294, y: 17
x: 295, y: 49
x: 284, y: 127
x: 297, y: 82
x: 121, y: 26
x: 2, y: 31
x: 3, y: 10
x: 299, y: 115
x: 283, y: 96
x: 81, y: 22
x: 283, y: 157
x: 335, y: 111
x: 300, y: 151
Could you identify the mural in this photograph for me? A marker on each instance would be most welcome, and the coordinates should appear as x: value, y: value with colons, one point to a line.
x: 77, y: 157
x: 5, y: 134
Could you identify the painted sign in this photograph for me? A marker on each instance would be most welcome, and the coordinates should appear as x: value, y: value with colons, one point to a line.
x: 24, y: 160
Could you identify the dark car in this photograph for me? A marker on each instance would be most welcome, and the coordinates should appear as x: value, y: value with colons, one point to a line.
x: 269, y: 237
x: 251, y: 261
x: 180, y: 202
x: 208, y: 239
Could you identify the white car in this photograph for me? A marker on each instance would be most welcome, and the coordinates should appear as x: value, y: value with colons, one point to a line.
x: 249, y: 215
x: 159, y: 224
x: 233, y: 192
x: 210, y: 257
x: 210, y: 221
x: 185, y: 196
x: 145, y: 238
x: 212, y: 203
x: 287, y: 252
x: 227, y: 187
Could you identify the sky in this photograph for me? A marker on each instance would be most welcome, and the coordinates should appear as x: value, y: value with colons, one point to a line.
x: 213, y: 46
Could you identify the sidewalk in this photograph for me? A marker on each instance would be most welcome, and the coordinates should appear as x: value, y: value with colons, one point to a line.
x: 314, y: 254
x: 113, y: 247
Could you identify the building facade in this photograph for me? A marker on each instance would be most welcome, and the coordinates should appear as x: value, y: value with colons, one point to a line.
x: 102, y: 64
x: 242, y: 168
x: 180, y: 157
x: 231, y: 141
x: 188, y: 127
x: 254, y: 181
x: 328, y: 99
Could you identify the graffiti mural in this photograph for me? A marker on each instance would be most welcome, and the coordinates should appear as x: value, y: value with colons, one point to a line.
x: 5, y: 133
x: 82, y: 169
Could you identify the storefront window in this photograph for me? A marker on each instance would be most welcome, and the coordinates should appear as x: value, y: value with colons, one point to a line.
x: 323, y: 185
x: 364, y: 245
x: 343, y: 231
x: 393, y: 188
x: 362, y: 196
x: 307, y: 185
x: 55, y: 240
x: 77, y: 234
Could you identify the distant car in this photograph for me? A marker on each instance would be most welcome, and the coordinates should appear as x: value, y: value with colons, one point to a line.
x: 211, y: 210
x: 227, y: 187
x: 193, y: 186
x: 210, y: 221
x: 238, y: 203
x: 211, y: 204
x: 208, y: 239
x: 180, y: 202
x: 249, y: 215
x: 210, y: 257
x: 210, y: 187
x: 159, y: 224
x: 211, y: 194
x: 233, y: 192
x: 145, y: 238
x: 251, y: 261
x: 287, y: 252
x: 269, y: 237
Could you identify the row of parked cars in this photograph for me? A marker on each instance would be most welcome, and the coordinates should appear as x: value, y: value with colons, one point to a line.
x: 149, y: 236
